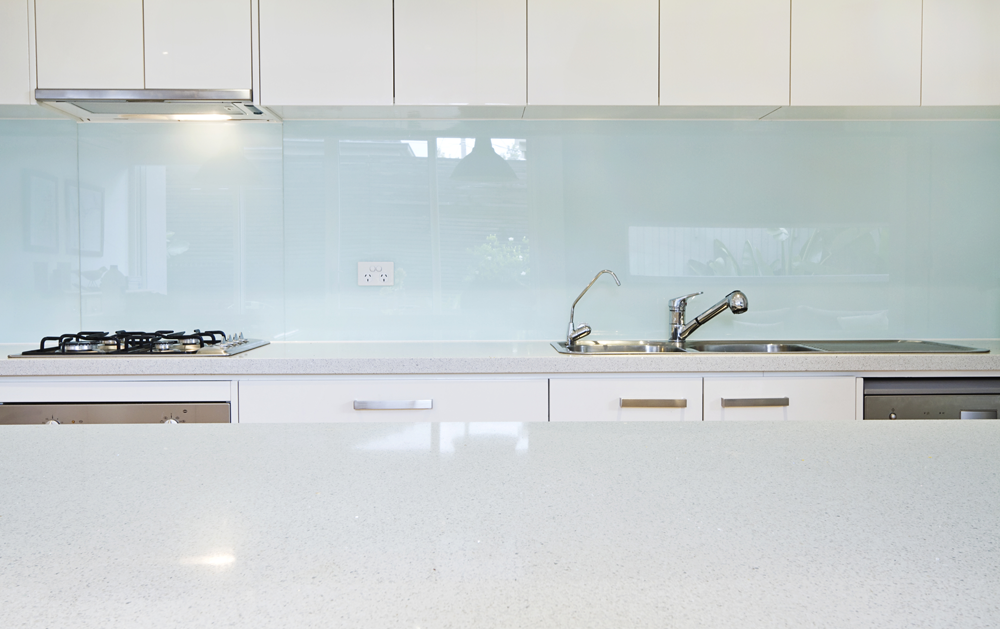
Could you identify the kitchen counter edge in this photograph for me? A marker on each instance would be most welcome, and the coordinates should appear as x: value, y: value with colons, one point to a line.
x: 492, y: 357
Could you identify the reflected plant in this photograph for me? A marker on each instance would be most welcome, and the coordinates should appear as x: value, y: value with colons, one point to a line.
x: 500, y: 263
x: 825, y: 251
x: 176, y: 247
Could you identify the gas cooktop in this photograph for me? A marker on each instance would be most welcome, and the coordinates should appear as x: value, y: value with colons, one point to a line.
x: 159, y: 343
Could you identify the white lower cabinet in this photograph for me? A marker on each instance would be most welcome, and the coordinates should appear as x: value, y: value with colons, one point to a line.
x: 625, y: 399
x: 780, y: 398
x: 391, y: 399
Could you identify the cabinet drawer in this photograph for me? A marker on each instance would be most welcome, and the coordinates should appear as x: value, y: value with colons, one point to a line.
x: 625, y: 399
x: 393, y: 400
x: 795, y: 398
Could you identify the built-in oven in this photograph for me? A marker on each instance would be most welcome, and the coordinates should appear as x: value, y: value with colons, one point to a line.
x: 931, y: 398
x: 115, y: 413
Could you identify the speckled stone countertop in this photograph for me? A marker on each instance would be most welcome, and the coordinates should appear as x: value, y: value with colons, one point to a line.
x: 843, y: 524
x: 484, y: 357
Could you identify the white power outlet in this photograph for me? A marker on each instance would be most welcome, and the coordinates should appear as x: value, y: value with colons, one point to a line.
x: 375, y: 274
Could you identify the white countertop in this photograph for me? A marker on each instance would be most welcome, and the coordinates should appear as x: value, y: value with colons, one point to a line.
x: 845, y: 524
x: 483, y: 357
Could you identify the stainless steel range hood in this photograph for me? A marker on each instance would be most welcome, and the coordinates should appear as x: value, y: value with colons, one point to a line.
x: 154, y: 105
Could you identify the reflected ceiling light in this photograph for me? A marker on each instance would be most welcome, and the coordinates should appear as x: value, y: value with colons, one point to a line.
x: 482, y: 164
x: 223, y: 559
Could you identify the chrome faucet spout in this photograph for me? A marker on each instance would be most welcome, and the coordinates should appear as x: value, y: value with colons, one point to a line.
x: 735, y: 301
x: 576, y: 332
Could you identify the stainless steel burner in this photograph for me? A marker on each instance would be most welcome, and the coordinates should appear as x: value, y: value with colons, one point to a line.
x: 159, y: 343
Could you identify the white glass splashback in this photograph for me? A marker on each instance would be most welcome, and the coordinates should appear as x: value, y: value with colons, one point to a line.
x: 832, y: 229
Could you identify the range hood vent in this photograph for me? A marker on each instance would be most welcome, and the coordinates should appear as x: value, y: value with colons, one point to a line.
x: 154, y: 105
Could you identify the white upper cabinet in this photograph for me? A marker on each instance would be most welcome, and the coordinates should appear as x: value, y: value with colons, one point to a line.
x: 961, y: 52
x: 724, y: 52
x: 461, y: 52
x: 14, y: 70
x: 89, y: 45
x: 326, y: 52
x: 193, y: 44
x: 593, y: 52
x: 856, y: 52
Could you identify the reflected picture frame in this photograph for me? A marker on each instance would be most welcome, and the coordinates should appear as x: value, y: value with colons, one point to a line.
x: 85, y: 219
x: 40, y: 203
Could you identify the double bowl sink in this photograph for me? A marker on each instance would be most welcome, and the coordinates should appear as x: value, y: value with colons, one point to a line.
x: 588, y: 347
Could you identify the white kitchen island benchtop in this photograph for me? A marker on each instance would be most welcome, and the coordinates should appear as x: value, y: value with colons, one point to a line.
x: 839, y: 524
x: 483, y: 357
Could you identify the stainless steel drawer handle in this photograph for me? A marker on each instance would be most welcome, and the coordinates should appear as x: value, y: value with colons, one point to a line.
x: 626, y: 402
x: 754, y: 401
x: 393, y: 405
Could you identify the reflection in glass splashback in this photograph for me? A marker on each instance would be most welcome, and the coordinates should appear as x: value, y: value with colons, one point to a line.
x: 39, y: 229
x: 194, y: 232
x: 758, y: 251
x: 832, y: 229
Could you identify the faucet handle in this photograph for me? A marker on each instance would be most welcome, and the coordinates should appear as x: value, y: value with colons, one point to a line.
x: 678, y: 304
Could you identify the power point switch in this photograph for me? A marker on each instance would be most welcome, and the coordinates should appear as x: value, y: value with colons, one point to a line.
x: 375, y: 274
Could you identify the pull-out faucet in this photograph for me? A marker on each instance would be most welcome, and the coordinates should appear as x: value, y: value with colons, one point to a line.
x: 735, y: 301
x: 577, y: 332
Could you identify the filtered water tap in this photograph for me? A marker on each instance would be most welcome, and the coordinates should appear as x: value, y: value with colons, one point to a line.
x: 577, y: 332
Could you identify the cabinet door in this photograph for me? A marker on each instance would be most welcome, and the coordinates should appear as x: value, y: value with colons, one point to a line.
x: 393, y: 400
x: 14, y: 69
x: 460, y: 52
x: 89, y: 45
x: 326, y: 52
x: 961, y: 52
x: 193, y: 44
x: 724, y: 52
x: 593, y: 52
x: 780, y: 398
x: 856, y: 52
x: 625, y: 399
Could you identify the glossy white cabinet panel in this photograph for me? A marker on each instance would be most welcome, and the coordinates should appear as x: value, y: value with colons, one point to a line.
x: 780, y: 398
x: 593, y: 52
x: 724, y: 52
x: 326, y: 52
x: 79, y: 390
x: 14, y: 70
x: 460, y: 52
x: 450, y: 399
x: 624, y: 399
x: 89, y: 45
x: 192, y: 44
x: 961, y: 64
x: 855, y: 52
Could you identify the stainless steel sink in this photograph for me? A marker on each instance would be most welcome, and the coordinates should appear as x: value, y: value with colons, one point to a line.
x: 765, y: 347
x: 888, y: 346
x: 617, y: 347
x: 748, y: 347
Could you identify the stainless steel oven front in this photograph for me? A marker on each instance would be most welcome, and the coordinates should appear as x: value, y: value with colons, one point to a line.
x: 932, y: 398
x: 115, y: 413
